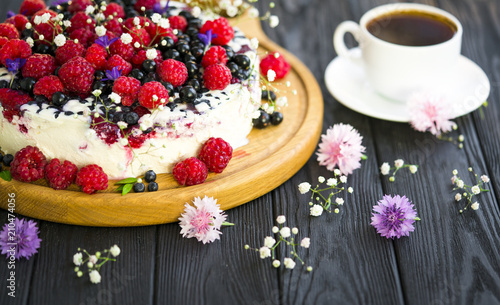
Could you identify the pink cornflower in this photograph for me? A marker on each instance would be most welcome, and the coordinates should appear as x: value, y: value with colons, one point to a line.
x: 394, y: 216
x: 431, y: 113
x: 202, y: 221
x: 341, y: 146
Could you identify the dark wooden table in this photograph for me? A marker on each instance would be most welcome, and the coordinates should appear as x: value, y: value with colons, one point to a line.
x: 449, y: 259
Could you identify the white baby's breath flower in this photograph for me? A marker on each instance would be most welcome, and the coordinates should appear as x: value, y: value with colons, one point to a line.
x: 254, y: 43
x: 455, y: 172
x: 274, y: 21
x: 78, y: 259
x: 331, y: 182
x: 460, y: 183
x: 458, y: 197
x: 269, y: 242
x: 93, y: 259
x: 275, y: 229
x: 124, y: 142
x: 281, y: 219
x: 304, y: 187
x: 151, y: 54
x: 285, y: 232
x: 264, y: 252
x: 295, y: 231
x: 95, y: 277
x: 30, y: 42
x: 271, y: 75
x: 337, y: 172
x: 41, y: 37
x: 343, y: 179
x: 282, y: 101
x: 289, y: 263
x: 316, y: 210
x: 96, y: 92
x: 100, y: 30
x: 99, y: 17
x: 413, y: 169
x: 196, y: 11
x: 399, y: 163
x: 126, y: 38
x: 66, y: 23
x: 164, y: 23
x: 231, y: 11
x: 45, y: 18
x: 136, y: 21
x: 276, y: 263
x: 321, y: 179
x: 270, y: 110
x: 122, y: 124
x: 28, y: 25
x: 115, y: 98
x: 59, y: 17
x: 350, y: 190
x: 305, y: 242
x: 485, y: 179
x: 60, y: 40
x: 156, y: 18
x: 89, y: 9
x: 385, y: 168
x: 253, y: 12
x: 37, y: 20
x: 339, y: 201
x: 475, y: 206
x: 115, y: 250
x: 475, y: 189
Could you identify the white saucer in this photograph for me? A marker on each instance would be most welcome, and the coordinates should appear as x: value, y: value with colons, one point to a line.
x: 468, y: 89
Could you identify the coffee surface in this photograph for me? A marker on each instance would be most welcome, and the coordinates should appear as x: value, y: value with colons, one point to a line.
x: 412, y: 28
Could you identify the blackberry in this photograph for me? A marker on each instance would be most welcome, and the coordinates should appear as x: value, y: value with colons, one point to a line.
x: 187, y: 94
x: 150, y: 176
x: 59, y: 99
x: 262, y: 121
x: 242, y: 61
x: 276, y: 118
x: 152, y: 187
x: 137, y: 74
x: 149, y: 65
x: 131, y: 118
x: 139, y: 187
x: 268, y: 95
x: 7, y: 159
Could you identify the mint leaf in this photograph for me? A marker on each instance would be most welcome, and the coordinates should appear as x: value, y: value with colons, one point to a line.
x: 5, y: 175
x: 127, y: 181
x: 120, y: 188
x: 127, y: 188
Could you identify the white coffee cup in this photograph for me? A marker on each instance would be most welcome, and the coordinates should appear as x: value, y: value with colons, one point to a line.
x: 397, y: 71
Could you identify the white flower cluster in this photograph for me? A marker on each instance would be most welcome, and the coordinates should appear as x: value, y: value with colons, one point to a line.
x: 469, y: 191
x: 385, y: 168
x: 92, y: 262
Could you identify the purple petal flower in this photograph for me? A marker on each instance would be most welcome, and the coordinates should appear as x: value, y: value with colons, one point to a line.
x: 158, y: 9
x: 14, y: 65
x: 104, y: 41
x: 207, y: 37
x: 23, y: 240
x: 58, y: 2
x: 113, y: 74
x: 394, y: 216
x: 10, y: 14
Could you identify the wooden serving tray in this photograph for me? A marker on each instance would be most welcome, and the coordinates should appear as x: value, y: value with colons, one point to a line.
x: 273, y: 156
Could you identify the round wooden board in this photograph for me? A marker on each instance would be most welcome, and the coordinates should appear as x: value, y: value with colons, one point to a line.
x: 273, y: 156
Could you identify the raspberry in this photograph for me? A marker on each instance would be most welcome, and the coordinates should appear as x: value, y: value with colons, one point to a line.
x: 216, y: 154
x: 77, y: 75
x: 19, y: 21
x: 69, y: 50
x: 114, y: 26
x: 158, y: 32
x: 13, y: 49
x: 178, y: 22
x: 39, y: 65
x: 121, y: 64
x: 108, y: 132
x: 152, y: 95
x: 173, y: 71
x: 11, y: 101
x: 81, y: 20
x: 126, y: 51
x: 91, y: 179
x: 136, y: 137
x: 3, y: 40
x: 214, y: 55
x: 79, y: 5
x: 28, y: 164
x: 147, y: 4
x: 127, y: 88
x: 129, y: 23
x: 216, y: 77
x: 275, y: 62
x: 140, y: 57
x: 85, y: 36
x: 9, y: 30
x: 49, y: 30
x: 96, y: 56
x: 190, y: 172
x: 115, y: 10
x: 140, y: 36
x: 222, y: 28
x: 30, y: 7
x: 60, y: 176
x: 47, y: 86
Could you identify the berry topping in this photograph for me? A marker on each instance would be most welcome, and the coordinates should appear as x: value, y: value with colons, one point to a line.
x: 126, y: 51
x: 19, y: 21
x: 11, y: 101
x: 47, y: 86
x: 214, y: 55
x: 191, y: 171
x: 178, y: 22
x: 216, y: 77
x: 152, y: 95
x: 115, y: 10
x: 173, y: 71
x: 28, y: 164
x: 91, y: 179
x: 221, y: 28
x: 96, y: 56
x: 13, y: 49
x: 128, y: 89
x: 39, y: 65
x: 121, y: 64
x: 69, y: 50
x: 216, y: 154
x: 79, y: 5
x: 108, y: 132
x: 77, y: 75
x: 275, y: 62
x: 147, y: 4
x: 9, y: 30
x: 30, y: 7
x: 60, y: 175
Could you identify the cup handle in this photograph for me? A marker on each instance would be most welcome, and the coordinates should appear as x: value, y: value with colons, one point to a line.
x: 339, y: 44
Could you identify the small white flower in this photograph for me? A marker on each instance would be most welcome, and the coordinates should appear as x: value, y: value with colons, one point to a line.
x: 276, y: 55
x: 306, y: 242
x: 475, y: 189
x: 343, y: 179
x: 264, y: 252
x: 275, y: 229
x: 95, y: 277
x: 151, y: 54
x: 136, y: 21
x: 475, y: 206
x: 321, y: 179
x: 164, y: 23
x: 99, y: 17
x: 30, y: 42
x: 350, y: 190
x: 281, y: 219
x: 276, y: 263
x: 336, y: 211
x: 271, y: 75
x: 124, y: 142
x: 269, y: 242
x: 316, y: 210
x: 115, y: 250
x: 90, y: 264
x: 196, y: 11
x: 60, y: 40
x: 137, y: 45
x: 460, y: 183
x: 122, y: 124
x: 455, y: 172
x: 274, y: 21
x: 45, y: 18
x: 385, y: 168
x: 89, y: 10
x: 337, y: 172
x: 253, y: 12
x: 254, y: 43
x: 339, y: 201
x: 96, y: 92
x: 231, y: 11
x: 399, y: 163
x: 115, y: 98
x: 285, y: 232
x: 413, y: 169
x: 28, y: 25
x: 331, y: 182
x: 59, y: 17
x: 100, y: 30
x: 458, y: 197
x: 461, y: 138
x: 309, y: 268
x: 77, y: 259
x: 304, y: 187
x: 126, y: 38
x: 66, y: 23
x: 41, y: 37
x: 156, y: 18
x: 93, y: 259
x: 282, y: 101
x: 289, y: 263
x: 485, y: 178
x: 37, y: 20
x: 295, y: 231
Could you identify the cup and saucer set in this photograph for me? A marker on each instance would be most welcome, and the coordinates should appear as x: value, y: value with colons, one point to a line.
x: 404, y: 48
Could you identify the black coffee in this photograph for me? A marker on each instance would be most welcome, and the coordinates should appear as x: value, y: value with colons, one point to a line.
x: 412, y: 28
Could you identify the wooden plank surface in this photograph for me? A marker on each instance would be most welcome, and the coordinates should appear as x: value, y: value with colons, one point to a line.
x: 449, y: 259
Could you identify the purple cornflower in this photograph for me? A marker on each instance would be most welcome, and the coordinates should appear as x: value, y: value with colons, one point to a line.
x: 113, y: 74
x: 394, y: 216
x: 158, y: 9
x: 10, y: 14
x: 104, y: 41
x: 20, y: 238
x: 207, y: 37
x: 15, y: 65
x: 58, y: 2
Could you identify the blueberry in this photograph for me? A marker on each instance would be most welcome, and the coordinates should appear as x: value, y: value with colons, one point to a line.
x: 137, y: 74
x: 131, y: 118
x: 98, y: 85
x: 16, y: 84
x: 150, y: 176
x: 276, y: 118
x: 7, y: 159
x: 139, y: 187
x: 195, y: 22
x: 187, y: 94
x: 268, y: 95
x: 59, y: 99
x: 262, y: 121
x: 186, y: 15
x: 118, y: 116
x: 27, y: 84
x: 149, y: 65
x: 184, y: 37
x: 242, y: 61
x: 192, y: 32
x: 153, y: 187
x: 166, y: 43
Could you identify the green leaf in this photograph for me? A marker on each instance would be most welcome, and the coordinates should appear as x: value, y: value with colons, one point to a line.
x: 127, y: 181
x: 120, y: 188
x: 127, y: 188
x: 5, y: 175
